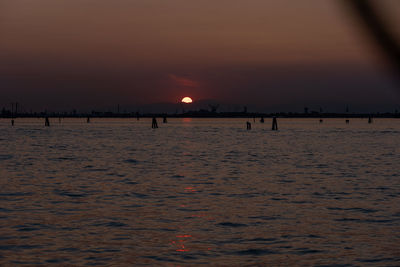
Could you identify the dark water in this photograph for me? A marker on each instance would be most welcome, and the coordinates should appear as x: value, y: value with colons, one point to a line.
x: 197, y: 191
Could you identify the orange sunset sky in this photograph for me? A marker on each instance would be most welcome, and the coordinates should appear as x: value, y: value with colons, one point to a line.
x: 273, y: 54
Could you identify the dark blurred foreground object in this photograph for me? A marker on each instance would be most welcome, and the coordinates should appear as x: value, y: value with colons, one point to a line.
x: 378, y: 29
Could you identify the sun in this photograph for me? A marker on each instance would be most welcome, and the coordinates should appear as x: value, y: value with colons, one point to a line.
x: 187, y: 100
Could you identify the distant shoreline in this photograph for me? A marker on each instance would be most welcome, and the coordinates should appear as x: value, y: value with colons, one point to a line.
x: 207, y: 115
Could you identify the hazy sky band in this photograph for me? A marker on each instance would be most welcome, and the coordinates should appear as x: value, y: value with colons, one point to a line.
x: 91, y: 52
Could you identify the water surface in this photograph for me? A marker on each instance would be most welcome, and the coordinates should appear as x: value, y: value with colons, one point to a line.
x: 200, y: 191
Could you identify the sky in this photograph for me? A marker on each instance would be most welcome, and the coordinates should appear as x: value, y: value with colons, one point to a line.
x: 268, y: 54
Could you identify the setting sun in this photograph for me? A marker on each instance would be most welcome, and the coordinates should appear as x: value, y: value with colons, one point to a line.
x: 187, y: 100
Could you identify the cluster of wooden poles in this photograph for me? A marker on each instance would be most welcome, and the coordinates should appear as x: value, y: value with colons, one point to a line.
x: 274, y: 123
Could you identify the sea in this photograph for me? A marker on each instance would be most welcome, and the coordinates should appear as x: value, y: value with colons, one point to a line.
x: 115, y: 192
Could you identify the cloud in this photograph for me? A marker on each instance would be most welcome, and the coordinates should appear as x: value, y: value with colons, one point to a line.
x: 182, y: 81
